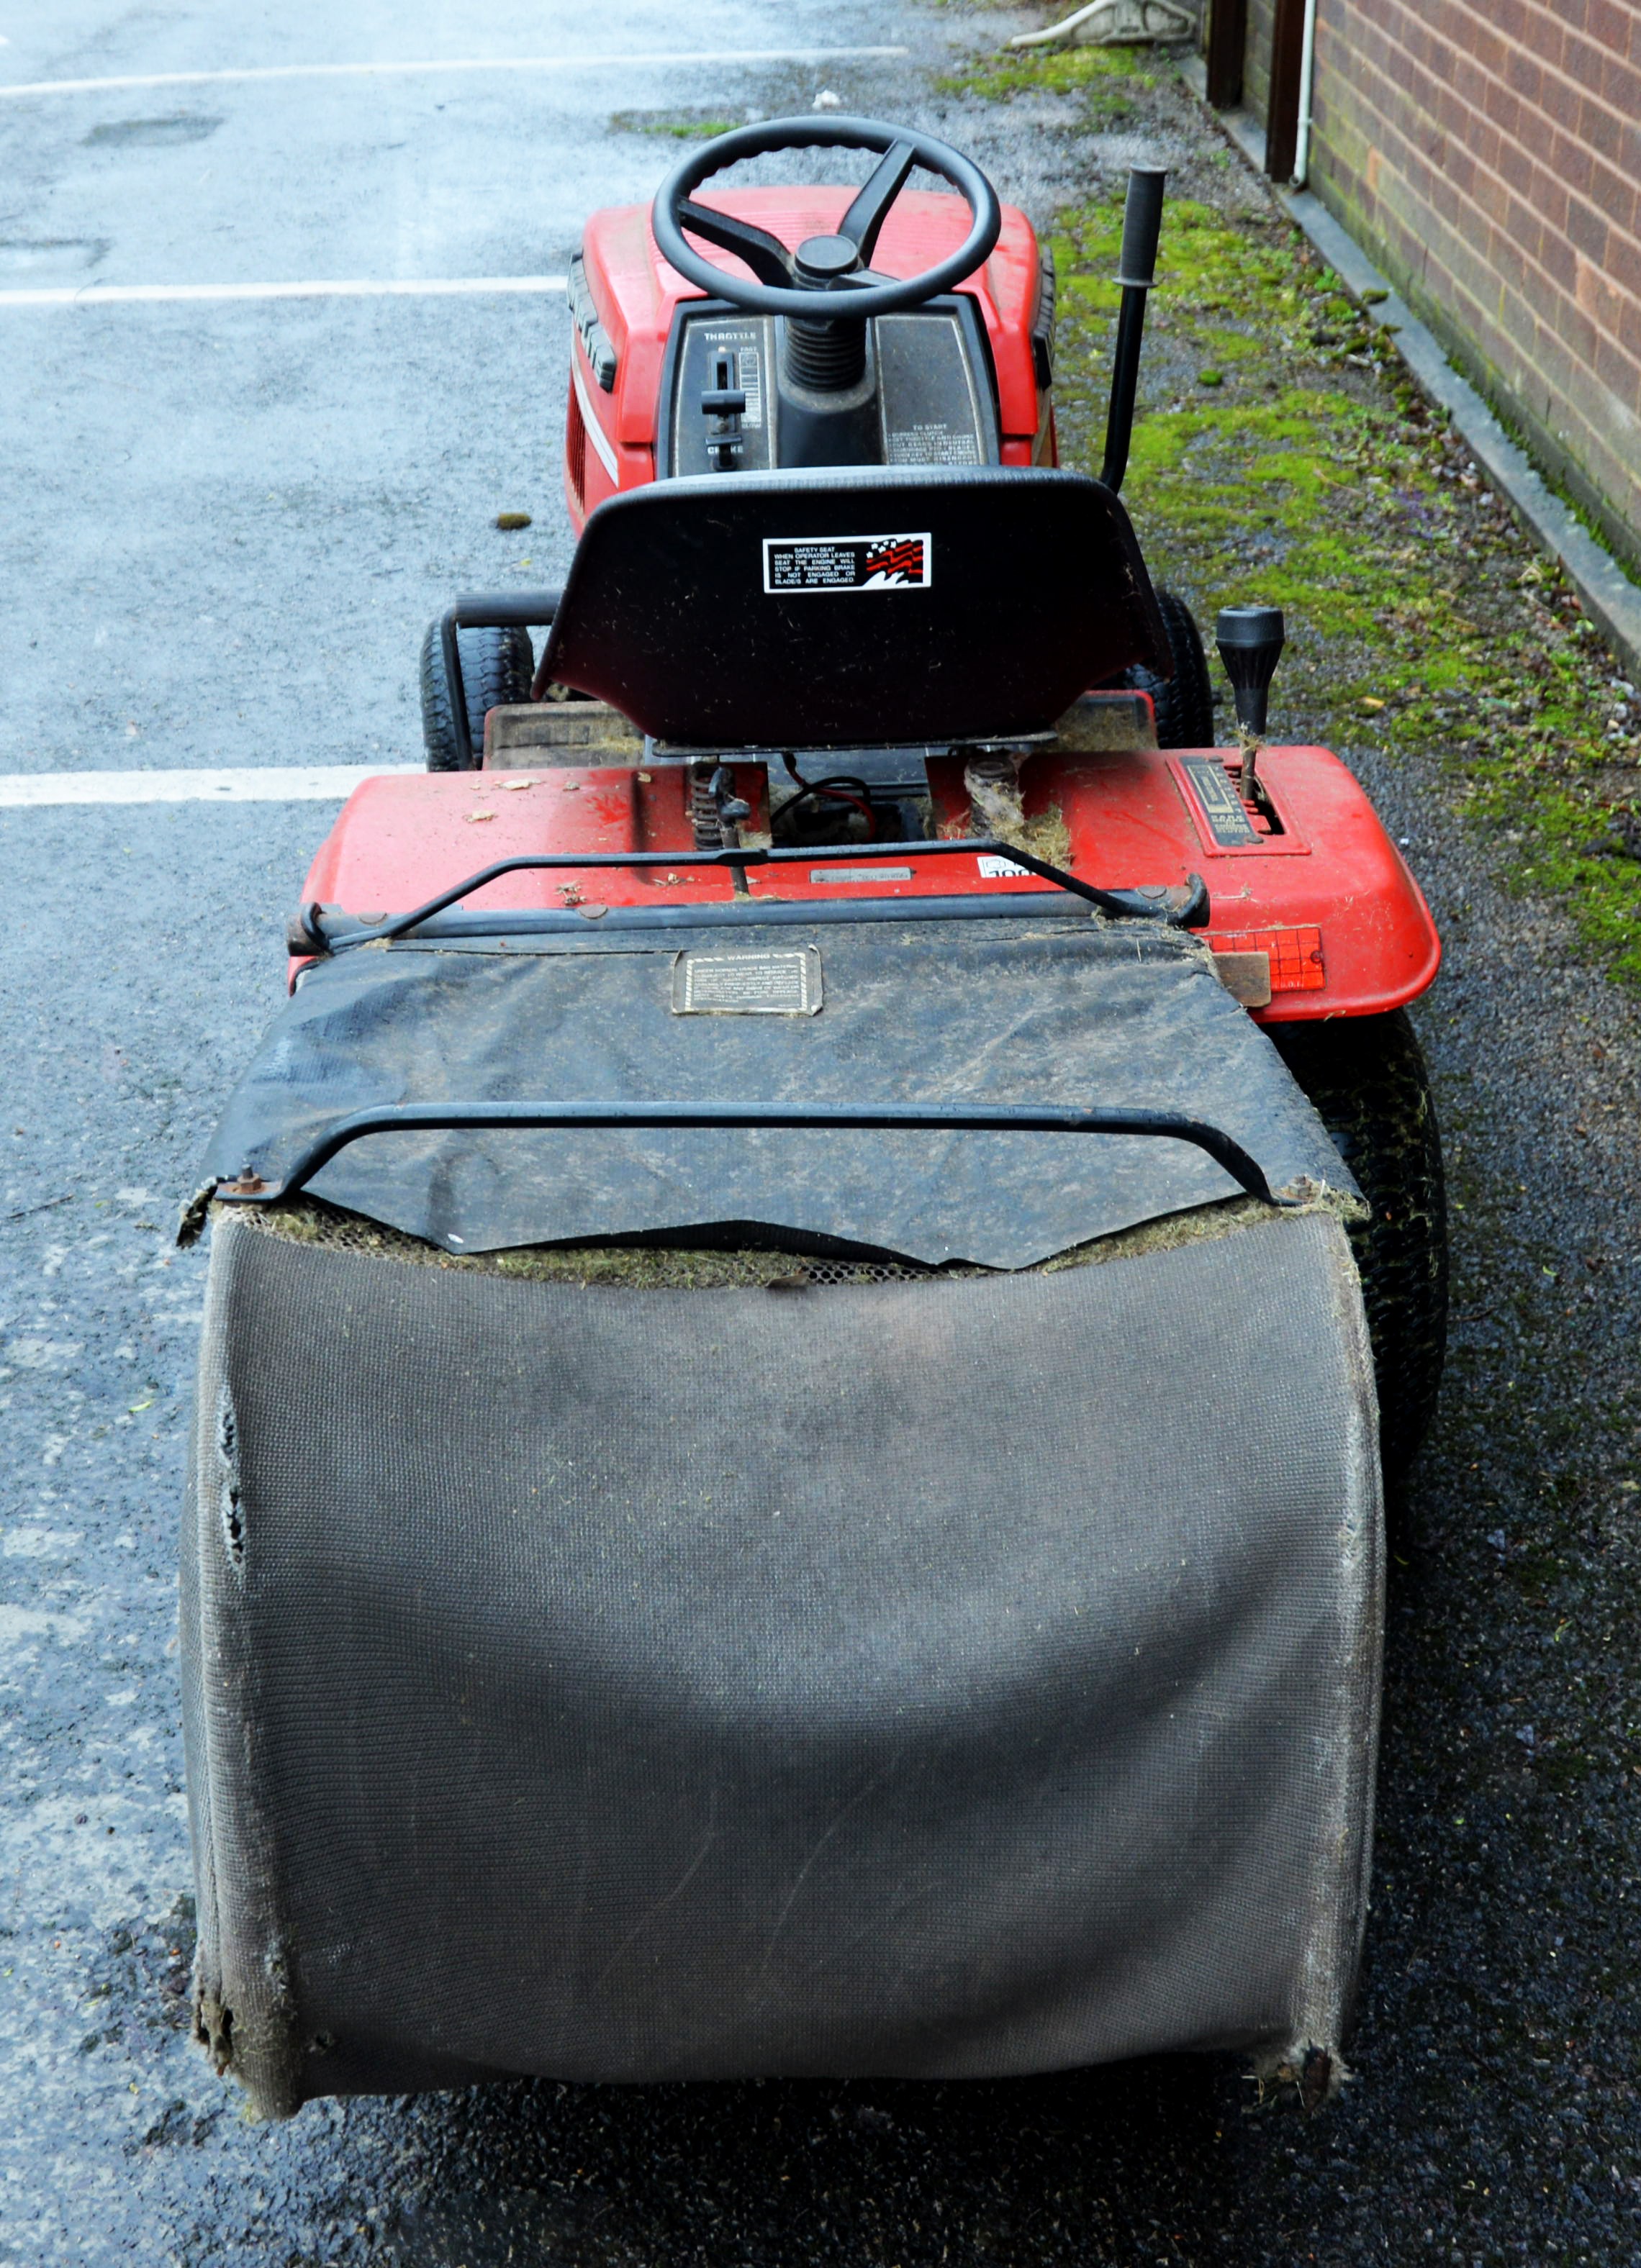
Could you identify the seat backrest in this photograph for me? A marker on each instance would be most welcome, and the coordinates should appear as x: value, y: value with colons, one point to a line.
x: 843, y: 609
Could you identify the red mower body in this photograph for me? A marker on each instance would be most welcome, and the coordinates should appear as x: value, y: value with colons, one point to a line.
x: 1320, y: 909
x: 635, y: 296
x: 889, y: 1460
x: 1312, y: 907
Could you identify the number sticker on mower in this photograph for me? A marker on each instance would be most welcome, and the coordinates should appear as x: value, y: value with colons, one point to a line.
x: 848, y: 562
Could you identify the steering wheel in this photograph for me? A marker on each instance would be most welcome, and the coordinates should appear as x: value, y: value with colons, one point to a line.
x: 839, y: 266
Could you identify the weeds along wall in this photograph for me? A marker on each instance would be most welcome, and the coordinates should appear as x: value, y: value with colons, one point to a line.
x: 1488, y: 154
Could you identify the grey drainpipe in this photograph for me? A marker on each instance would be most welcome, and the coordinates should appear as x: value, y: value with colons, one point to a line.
x: 1307, y: 82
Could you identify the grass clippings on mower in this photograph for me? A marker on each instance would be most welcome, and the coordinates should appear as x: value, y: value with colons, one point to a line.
x: 636, y: 1267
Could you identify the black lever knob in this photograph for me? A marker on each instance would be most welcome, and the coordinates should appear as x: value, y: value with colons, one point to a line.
x: 1142, y: 226
x: 723, y: 401
x: 1251, y: 640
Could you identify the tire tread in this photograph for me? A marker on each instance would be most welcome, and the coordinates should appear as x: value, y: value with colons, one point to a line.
x: 1184, y: 703
x: 1366, y: 1078
x: 497, y: 666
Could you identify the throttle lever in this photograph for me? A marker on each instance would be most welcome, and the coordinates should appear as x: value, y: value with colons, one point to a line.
x: 725, y: 403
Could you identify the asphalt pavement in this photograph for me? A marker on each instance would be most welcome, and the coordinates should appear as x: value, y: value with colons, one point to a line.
x: 225, y: 521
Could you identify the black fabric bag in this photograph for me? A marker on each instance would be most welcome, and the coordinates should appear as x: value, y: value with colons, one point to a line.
x: 1059, y: 1010
x: 940, y: 1678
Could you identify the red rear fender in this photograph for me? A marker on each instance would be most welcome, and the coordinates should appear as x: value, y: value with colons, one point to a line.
x: 1320, y: 891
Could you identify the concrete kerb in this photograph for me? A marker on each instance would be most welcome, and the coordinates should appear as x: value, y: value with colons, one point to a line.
x: 1608, y: 596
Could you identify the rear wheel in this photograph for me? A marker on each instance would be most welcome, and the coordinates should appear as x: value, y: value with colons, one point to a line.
x: 1185, y: 701
x: 1366, y: 1080
x: 497, y: 666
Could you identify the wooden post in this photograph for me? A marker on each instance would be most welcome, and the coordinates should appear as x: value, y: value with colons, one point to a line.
x: 1282, y: 123
x: 1227, y: 44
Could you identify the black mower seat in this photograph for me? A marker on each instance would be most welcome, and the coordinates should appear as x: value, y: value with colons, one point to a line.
x: 841, y: 608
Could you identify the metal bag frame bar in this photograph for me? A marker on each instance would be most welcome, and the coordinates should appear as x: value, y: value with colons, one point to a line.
x: 309, y: 936
x: 250, y: 1188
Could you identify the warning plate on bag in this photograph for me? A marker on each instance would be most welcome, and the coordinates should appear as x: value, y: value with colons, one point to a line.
x: 848, y: 562
x: 748, y: 984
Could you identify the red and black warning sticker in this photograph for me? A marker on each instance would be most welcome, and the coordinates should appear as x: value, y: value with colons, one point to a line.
x: 848, y: 562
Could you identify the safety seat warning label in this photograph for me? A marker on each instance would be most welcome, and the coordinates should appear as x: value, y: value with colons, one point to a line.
x: 847, y: 563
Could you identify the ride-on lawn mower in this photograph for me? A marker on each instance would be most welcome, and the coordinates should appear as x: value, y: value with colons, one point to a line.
x: 807, y: 1297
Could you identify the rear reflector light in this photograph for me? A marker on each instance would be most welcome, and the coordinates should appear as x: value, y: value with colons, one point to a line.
x: 1294, y: 955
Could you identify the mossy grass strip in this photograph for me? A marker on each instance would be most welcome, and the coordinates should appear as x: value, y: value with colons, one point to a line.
x: 1316, y: 478
x: 1101, y: 74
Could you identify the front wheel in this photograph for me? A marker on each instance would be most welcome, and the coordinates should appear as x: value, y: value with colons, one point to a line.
x: 497, y: 666
x: 1365, y: 1076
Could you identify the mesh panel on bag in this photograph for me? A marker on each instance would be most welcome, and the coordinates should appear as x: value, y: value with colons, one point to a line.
x: 962, y: 1673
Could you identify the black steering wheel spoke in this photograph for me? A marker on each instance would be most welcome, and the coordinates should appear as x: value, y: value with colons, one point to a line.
x: 870, y: 209
x: 789, y: 280
x: 764, y: 254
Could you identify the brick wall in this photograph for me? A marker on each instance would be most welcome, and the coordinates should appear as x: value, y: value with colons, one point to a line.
x: 1487, y: 153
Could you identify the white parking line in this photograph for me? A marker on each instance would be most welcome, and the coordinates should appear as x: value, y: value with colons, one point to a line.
x: 428, y: 287
x: 679, y: 59
x: 245, y: 784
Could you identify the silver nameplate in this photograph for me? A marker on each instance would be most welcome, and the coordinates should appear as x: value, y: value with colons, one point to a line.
x: 748, y: 984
